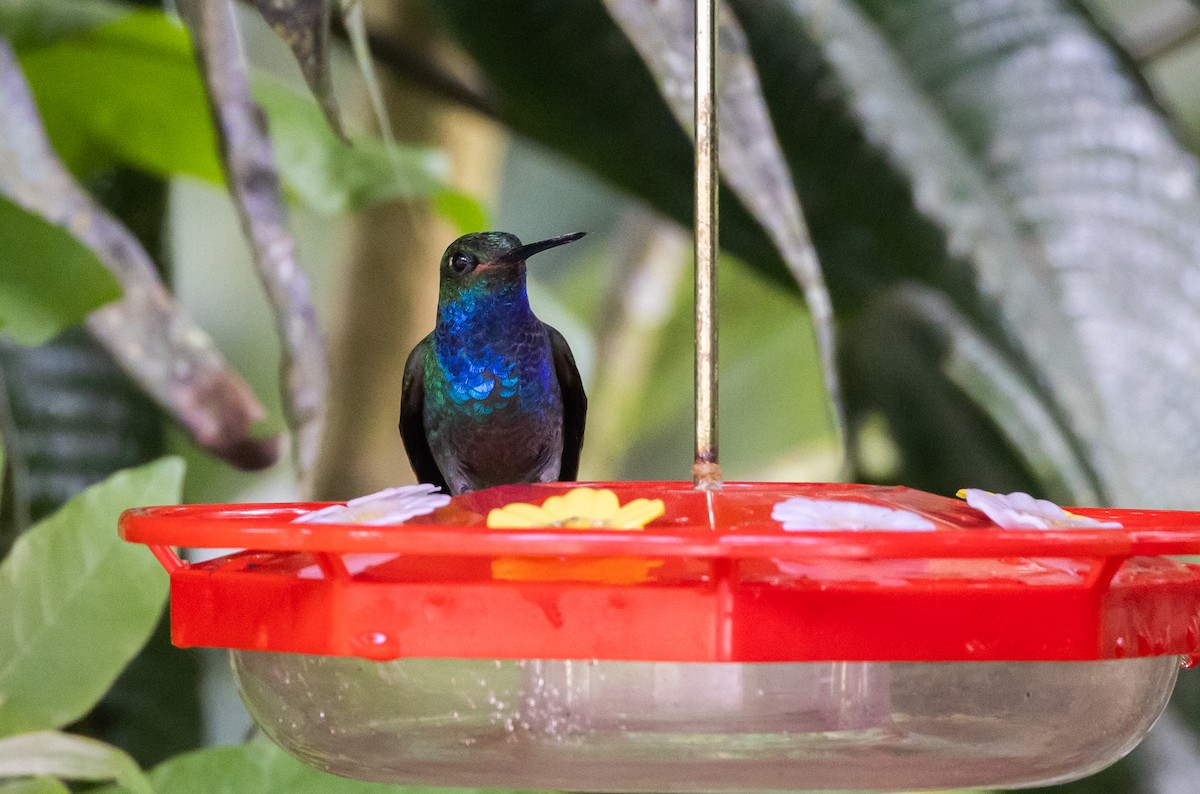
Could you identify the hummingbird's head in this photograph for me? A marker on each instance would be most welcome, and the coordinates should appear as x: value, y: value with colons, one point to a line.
x: 491, y: 257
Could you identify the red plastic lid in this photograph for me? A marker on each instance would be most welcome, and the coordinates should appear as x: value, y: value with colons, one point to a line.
x: 715, y: 579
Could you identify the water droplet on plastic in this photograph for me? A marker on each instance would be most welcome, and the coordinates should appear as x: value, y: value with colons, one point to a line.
x: 1188, y: 662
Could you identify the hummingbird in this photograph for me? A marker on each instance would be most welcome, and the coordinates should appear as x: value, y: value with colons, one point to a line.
x: 492, y: 396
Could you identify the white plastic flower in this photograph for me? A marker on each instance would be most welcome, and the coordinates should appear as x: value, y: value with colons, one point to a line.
x: 389, y: 506
x: 1021, y: 511
x: 800, y: 512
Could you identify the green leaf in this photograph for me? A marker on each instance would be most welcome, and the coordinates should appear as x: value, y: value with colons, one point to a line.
x: 77, y: 602
x: 35, y: 785
x: 263, y: 768
x: 160, y: 121
x: 48, y: 279
x: 129, y: 92
x: 154, y: 708
x: 72, y: 757
x: 1039, y: 119
x: 330, y: 176
x: 949, y: 186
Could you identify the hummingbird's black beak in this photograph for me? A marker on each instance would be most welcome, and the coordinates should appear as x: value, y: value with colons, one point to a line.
x: 526, y: 251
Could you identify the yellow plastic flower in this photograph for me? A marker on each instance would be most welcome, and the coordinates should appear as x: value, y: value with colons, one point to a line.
x: 579, y: 508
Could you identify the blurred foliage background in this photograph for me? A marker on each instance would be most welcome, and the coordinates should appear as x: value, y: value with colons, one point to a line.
x: 1004, y: 198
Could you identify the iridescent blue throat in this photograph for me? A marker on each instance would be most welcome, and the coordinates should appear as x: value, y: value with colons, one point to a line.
x: 490, y: 348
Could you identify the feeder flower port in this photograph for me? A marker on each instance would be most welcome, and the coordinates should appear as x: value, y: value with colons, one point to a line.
x: 579, y: 508
x: 803, y: 513
x: 389, y: 506
x: 1022, y: 511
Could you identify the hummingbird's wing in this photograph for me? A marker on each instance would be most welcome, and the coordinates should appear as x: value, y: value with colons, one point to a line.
x: 574, y: 403
x: 412, y: 419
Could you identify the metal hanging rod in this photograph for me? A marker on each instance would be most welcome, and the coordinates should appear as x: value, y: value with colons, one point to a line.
x: 706, y: 472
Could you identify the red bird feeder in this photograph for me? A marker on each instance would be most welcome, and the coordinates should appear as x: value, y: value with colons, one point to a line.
x: 713, y: 650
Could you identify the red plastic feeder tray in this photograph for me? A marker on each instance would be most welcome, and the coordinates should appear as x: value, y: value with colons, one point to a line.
x: 715, y: 651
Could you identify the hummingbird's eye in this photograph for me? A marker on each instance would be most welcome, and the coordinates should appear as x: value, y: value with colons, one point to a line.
x: 460, y: 263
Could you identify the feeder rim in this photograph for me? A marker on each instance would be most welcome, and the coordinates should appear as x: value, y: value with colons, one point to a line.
x: 723, y: 582
x: 269, y: 527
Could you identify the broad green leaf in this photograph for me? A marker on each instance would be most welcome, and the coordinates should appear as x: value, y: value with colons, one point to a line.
x: 1103, y: 200
x: 949, y: 186
x: 126, y: 91
x: 154, y: 707
x: 68, y: 756
x: 263, y: 768
x: 80, y: 418
x: 160, y: 122
x: 77, y: 602
x: 35, y: 785
x: 331, y: 176
x: 48, y: 279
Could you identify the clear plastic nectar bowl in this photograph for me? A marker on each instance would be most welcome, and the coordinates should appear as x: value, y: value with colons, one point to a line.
x: 699, y: 727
